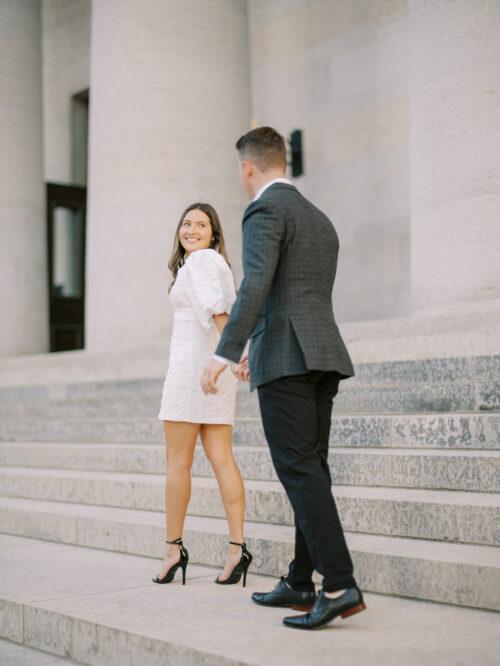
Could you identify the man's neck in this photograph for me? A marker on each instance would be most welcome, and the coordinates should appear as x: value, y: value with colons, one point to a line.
x: 265, y: 179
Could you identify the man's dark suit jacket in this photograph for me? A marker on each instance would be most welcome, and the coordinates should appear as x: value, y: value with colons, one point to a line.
x: 284, y: 304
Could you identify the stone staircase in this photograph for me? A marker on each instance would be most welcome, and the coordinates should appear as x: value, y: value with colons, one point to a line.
x: 415, y: 453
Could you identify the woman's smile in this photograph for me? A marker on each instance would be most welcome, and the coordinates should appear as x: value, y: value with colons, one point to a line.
x: 196, y: 230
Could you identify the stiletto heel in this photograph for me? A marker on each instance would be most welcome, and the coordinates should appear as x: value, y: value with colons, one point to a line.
x: 240, y: 569
x: 184, y: 567
x: 182, y: 563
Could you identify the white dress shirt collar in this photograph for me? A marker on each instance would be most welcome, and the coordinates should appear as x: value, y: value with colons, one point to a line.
x: 271, y: 182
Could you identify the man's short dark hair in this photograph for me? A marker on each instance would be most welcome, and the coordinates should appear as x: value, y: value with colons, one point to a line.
x: 264, y: 146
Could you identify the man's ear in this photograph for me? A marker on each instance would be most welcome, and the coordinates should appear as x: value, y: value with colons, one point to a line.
x: 248, y: 167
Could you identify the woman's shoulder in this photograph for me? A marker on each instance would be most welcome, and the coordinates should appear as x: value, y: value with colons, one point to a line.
x: 205, y: 256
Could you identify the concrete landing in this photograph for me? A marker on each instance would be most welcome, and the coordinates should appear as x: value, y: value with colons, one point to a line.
x: 101, y: 608
x: 14, y: 654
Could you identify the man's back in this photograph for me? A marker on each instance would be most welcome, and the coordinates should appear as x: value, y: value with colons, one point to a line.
x: 290, y: 253
x: 308, y: 261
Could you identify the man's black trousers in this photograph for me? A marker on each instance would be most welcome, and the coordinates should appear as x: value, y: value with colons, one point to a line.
x: 296, y: 415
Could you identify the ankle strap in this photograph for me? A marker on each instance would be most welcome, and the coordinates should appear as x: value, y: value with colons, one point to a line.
x: 243, y: 546
x: 178, y: 541
x: 244, y: 552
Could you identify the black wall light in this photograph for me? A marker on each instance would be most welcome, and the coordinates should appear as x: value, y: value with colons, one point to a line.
x: 297, y: 159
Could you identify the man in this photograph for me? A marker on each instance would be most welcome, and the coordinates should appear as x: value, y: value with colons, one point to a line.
x: 296, y: 359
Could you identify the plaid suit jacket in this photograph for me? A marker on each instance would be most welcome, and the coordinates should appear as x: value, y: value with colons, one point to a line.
x: 284, y: 304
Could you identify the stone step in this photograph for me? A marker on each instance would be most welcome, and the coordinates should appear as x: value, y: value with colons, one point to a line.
x: 465, y: 397
x: 400, y: 399
x: 111, y: 614
x: 75, y: 391
x: 421, y: 385
x: 477, y: 471
x: 467, y: 470
x: 427, y: 398
x: 463, y: 517
x: 466, y: 575
x: 438, y: 370
x: 435, y: 431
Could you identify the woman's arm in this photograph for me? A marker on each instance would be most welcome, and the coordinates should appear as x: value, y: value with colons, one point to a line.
x: 220, y: 321
x: 241, y: 371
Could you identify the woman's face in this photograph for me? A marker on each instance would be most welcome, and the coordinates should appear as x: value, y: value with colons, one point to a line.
x: 195, y: 232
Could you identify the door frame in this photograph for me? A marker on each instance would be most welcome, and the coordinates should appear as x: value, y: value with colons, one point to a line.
x: 75, y: 197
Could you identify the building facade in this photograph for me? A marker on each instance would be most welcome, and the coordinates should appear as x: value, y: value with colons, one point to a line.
x: 116, y: 114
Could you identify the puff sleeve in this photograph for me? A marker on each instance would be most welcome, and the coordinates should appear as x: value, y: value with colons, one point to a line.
x: 210, y: 285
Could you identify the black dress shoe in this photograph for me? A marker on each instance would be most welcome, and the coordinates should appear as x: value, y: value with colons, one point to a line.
x: 285, y: 596
x: 325, y: 610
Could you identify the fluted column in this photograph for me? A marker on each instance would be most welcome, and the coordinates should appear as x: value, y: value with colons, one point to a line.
x: 23, y: 268
x: 455, y: 156
x: 169, y: 97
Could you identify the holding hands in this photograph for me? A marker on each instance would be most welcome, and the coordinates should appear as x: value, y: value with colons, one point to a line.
x: 215, y: 368
x: 241, y: 370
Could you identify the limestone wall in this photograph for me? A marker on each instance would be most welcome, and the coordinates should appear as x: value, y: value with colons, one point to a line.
x: 23, y: 264
x: 66, y: 71
x: 339, y: 71
x: 169, y: 97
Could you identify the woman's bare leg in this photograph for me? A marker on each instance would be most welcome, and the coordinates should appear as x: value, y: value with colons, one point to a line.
x: 216, y: 440
x: 180, y: 443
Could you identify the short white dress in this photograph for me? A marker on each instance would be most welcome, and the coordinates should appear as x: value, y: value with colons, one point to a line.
x: 204, y: 286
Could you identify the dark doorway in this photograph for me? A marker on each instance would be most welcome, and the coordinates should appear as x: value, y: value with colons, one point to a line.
x: 66, y: 208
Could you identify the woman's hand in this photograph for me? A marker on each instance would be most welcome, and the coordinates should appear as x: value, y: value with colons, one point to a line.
x: 211, y: 375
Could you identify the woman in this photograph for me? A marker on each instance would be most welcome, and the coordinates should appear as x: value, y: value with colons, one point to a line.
x: 201, y: 294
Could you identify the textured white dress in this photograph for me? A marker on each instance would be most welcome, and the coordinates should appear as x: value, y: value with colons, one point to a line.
x: 204, y: 286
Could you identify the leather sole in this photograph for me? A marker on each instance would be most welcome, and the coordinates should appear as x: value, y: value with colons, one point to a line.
x: 344, y: 614
x: 353, y: 610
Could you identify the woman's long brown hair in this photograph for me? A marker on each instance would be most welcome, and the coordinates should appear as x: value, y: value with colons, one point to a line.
x: 178, y: 256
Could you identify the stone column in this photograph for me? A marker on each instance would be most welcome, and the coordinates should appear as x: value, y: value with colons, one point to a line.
x: 169, y: 97
x: 455, y: 152
x: 23, y: 268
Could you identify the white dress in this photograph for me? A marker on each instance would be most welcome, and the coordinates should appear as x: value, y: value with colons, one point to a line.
x: 204, y: 286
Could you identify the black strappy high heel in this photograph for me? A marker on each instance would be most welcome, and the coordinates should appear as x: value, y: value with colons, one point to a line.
x: 169, y: 576
x: 240, y: 568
